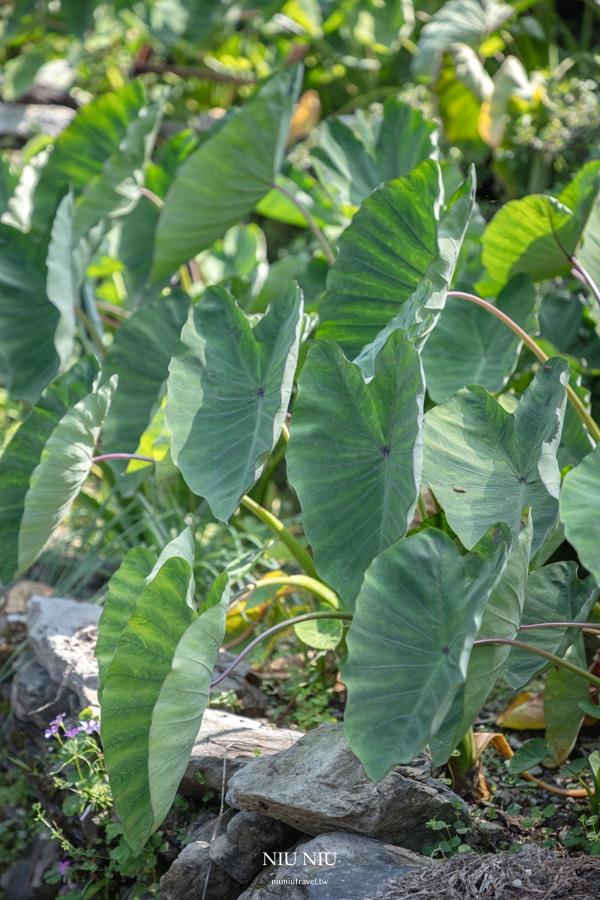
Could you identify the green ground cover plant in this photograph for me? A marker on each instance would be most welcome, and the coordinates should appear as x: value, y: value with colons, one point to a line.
x: 403, y: 397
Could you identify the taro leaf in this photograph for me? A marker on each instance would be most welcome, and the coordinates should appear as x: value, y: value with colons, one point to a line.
x: 138, y: 228
x: 416, y: 618
x: 538, y: 234
x: 140, y: 355
x: 28, y: 320
x: 458, y: 21
x: 470, y: 438
x: 580, y: 511
x: 575, y: 441
x: 501, y: 619
x: 355, y: 455
x: 80, y: 152
x: 355, y: 164
x: 554, y: 594
x: 563, y: 693
x: 115, y: 190
x: 137, y: 570
x: 322, y: 634
x: 228, y: 392
x: 225, y: 178
x: 124, y: 590
x: 471, y: 346
x: 64, y: 465
x: 387, y: 277
x: 24, y: 452
x: 384, y: 254
x: 155, y: 694
x: 528, y: 756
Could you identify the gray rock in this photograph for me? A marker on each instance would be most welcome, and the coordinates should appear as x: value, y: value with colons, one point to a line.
x: 186, y: 878
x: 234, y: 738
x: 319, y: 786
x: 26, y: 120
x: 336, y: 866
x: 249, y: 835
x: 63, y: 634
x: 32, y: 688
x: 25, y: 879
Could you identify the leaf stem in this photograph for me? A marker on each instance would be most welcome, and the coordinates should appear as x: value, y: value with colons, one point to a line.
x: 279, y: 627
x: 555, y: 660
x: 421, y: 507
x: 324, y: 243
x: 591, y: 626
x: 300, y: 554
x: 103, y: 456
x: 578, y: 406
x: 92, y: 331
x: 586, y: 278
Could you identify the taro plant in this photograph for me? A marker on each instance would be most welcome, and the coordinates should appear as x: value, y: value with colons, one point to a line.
x: 433, y: 607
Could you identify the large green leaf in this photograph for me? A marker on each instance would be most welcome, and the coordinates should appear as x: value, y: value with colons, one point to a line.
x: 539, y: 233
x: 355, y: 163
x: 580, y: 511
x: 484, y: 464
x: 416, y: 618
x: 155, y: 693
x: 80, y: 152
x: 24, y: 452
x: 457, y: 21
x: 28, y: 320
x: 64, y: 465
x: 228, y: 392
x: 554, y: 594
x: 396, y: 260
x: 139, y: 568
x: 225, y: 178
x: 563, y: 693
x: 355, y: 456
x: 470, y: 346
x: 501, y: 619
x: 124, y: 590
x: 140, y: 355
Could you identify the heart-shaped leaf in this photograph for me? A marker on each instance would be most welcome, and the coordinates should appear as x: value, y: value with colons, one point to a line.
x: 140, y: 355
x: 24, y: 452
x: 354, y: 164
x: 580, y: 511
x: 470, y: 346
x: 225, y: 178
x: 355, y: 455
x: 155, y: 693
x: 554, y: 594
x: 416, y: 618
x: 470, y: 437
x: 228, y: 392
x: 65, y: 463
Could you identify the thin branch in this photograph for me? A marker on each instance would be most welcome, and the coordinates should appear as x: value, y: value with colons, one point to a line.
x: 578, y: 406
x: 323, y: 242
x: 555, y: 660
x: 279, y: 627
x: 190, y: 72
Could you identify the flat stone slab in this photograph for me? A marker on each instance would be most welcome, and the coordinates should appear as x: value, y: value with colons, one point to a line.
x: 238, y: 740
x: 318, y: 785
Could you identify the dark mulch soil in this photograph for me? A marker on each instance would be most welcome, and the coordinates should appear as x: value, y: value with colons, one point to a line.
x: 531, y: 873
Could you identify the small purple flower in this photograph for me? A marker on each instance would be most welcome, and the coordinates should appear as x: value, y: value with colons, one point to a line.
x: 90, y: 726
x: 72, y: 732
x: 63, y: 867
x: 55, y: 726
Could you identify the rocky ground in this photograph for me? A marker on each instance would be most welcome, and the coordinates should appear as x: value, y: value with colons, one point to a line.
x: 299, y: 819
